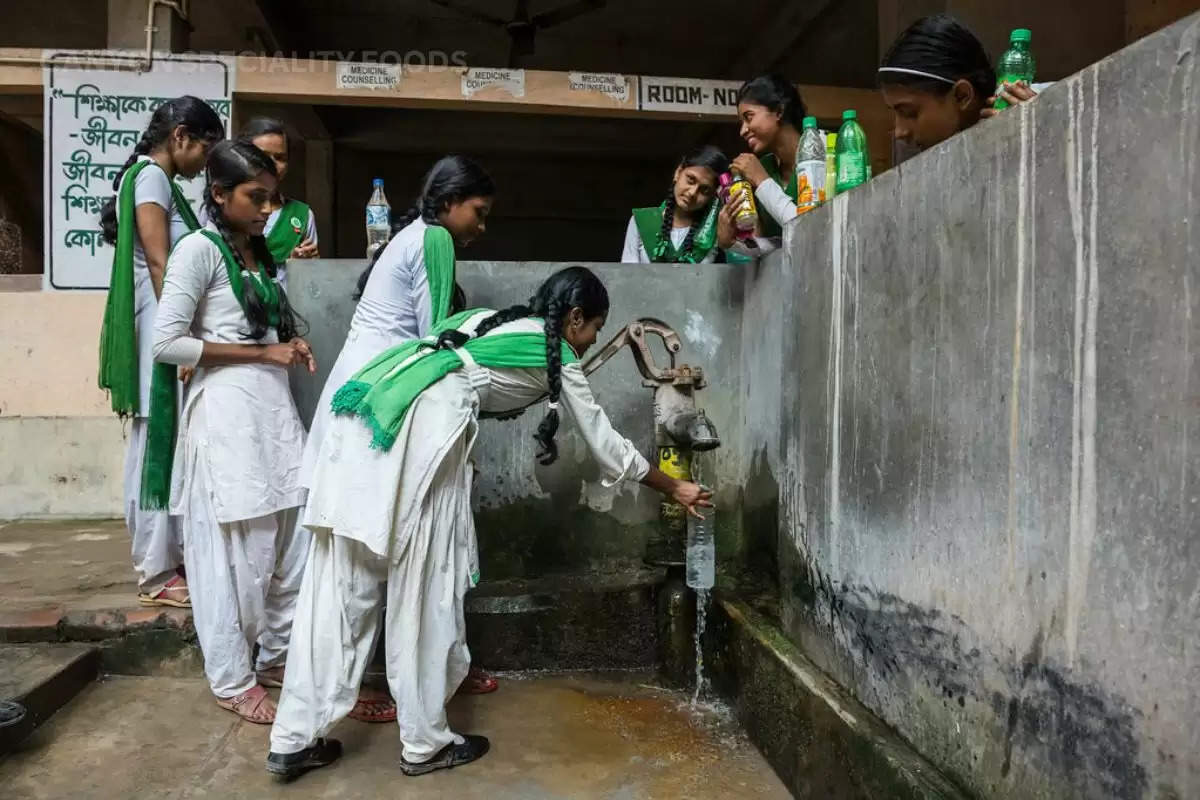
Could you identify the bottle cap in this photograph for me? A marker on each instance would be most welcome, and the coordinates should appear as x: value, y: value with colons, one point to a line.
x: 809, y: 122
x: 377, y: 182
x: 1021, y: 35
x: 848, y: 114
x: 725, y: 179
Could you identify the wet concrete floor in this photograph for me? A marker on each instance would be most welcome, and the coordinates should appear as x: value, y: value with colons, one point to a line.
x: 612, y: 736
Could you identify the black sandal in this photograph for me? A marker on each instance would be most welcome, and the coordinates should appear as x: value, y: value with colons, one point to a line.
x: 292, y: 765
x: 450, y: 756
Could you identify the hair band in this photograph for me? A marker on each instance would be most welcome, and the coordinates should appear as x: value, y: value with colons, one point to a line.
x: 919, y: 74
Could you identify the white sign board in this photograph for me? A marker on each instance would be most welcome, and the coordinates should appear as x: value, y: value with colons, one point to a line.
x: 607, y: 83
x: 352, y: 75
x: 93, y: 119
x: 477, y: 79
x: 689, y: 95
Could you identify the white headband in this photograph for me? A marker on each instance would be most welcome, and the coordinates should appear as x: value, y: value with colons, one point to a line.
x: 919, y: 74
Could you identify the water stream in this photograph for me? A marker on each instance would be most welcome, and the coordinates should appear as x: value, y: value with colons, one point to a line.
x: 702, y: 598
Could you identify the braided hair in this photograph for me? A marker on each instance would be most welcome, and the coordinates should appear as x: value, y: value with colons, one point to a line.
x: 706, y: 156
x: 231, y: 164
x: 939, y: 45
x: 451, y: 179
x: 198, y: 120
x: 573, y: 287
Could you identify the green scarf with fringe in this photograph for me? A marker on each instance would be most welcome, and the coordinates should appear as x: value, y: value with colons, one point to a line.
x: 382, y: 392
x: 118, y: 372
x: 439, y: 271
x: 159, y: 455
x: 661, y: 249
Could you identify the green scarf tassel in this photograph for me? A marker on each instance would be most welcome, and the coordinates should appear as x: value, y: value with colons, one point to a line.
x: 159, y: 456
x: 382, y: 392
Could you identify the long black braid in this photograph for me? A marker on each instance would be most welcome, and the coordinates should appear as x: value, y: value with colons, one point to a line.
x: 567, y: 289
x: 197, y: 118
x: 231, y: 164
x: 714, y: 160
x: 451, y: 179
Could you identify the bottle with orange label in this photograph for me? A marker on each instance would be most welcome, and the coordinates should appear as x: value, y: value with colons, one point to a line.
x: 736, y: 189
x: 810, y: 168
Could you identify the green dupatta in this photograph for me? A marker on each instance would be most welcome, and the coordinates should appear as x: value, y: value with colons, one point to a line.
x: 771, y: 164
x: 382, y: 392
x: 439, y: 271
x: 289, y: 231
x: 161, y: 428
x: 118, y: 372
x: 660, y: 248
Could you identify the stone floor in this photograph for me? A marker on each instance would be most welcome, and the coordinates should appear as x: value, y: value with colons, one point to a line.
x: 610, y: 736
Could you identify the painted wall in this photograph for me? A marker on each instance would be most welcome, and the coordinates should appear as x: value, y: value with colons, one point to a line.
x: 980, y: 455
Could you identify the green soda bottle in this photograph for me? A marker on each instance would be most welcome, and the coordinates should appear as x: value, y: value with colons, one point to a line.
x: 851, y: 153
x: 1016, y: 64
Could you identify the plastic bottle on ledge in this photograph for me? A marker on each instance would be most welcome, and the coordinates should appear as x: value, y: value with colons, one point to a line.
x: 379, y: 218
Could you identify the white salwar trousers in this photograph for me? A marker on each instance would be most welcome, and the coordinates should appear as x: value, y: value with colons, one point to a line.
x: 244, y: 578
x: 338, y: 615
x: 157, y: 545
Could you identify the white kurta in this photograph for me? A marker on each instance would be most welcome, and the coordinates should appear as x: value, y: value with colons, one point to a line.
x: 235, y: 475
x: 405, y: 516
x: 157, y: 545
x: 634, y: 251
x: 395, y: 307
x: 310, y: 233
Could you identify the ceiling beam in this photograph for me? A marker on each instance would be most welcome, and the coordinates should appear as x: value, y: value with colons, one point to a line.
x: 775, y: 40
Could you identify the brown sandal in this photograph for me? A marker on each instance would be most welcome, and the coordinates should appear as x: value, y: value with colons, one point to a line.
x: 174, y: 594
x: 253, y: 705
x: 373, y: 706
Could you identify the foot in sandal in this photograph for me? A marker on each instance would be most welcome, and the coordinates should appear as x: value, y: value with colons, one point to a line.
x: 272, y: 677
x: 173, y: 594
x: 450, y: 756
x: 373, y: 706
x: 253, y: 705
x: 478, y: 682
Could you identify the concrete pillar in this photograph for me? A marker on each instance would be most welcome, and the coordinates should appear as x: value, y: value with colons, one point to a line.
x: 318, y: 190
x: 127, y: 27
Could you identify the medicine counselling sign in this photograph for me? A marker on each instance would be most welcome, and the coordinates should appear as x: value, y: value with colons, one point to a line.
x: 93, y: 118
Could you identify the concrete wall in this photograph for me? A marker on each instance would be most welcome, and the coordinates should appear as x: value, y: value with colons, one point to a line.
x: 971, y: 416
x: 535, y: 520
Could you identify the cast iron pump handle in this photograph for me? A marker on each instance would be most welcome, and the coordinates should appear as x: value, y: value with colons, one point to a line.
x: 634, y: 335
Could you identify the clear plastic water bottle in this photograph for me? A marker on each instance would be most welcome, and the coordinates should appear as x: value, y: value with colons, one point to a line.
x: 701, y: 549
x: 379, y: 218
x: 810, y: 168
x: 1016, y: 63
x: 851, y: 153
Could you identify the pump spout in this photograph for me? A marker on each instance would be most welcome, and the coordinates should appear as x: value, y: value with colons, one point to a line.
x: 694, y: 430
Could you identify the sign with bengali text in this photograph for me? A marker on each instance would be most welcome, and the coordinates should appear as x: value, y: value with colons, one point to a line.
x: 93, y: 119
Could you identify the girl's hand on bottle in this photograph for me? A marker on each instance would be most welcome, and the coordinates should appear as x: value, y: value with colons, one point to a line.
x: 1011, y: 93
x: 726, y: 228
x: 691, y: 497
x: 749, y: 167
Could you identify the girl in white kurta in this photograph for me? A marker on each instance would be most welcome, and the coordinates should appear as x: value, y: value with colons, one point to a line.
x: 291, y: 230
x: 771, y: 113
x: 683, y: 228
x: 409, y: 285
x: 235, y: 473
x: 143, y: 222
x: 390, y: 504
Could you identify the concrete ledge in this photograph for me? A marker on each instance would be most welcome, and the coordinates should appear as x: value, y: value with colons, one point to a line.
x: 820, y: 740
x: 43, y: 678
